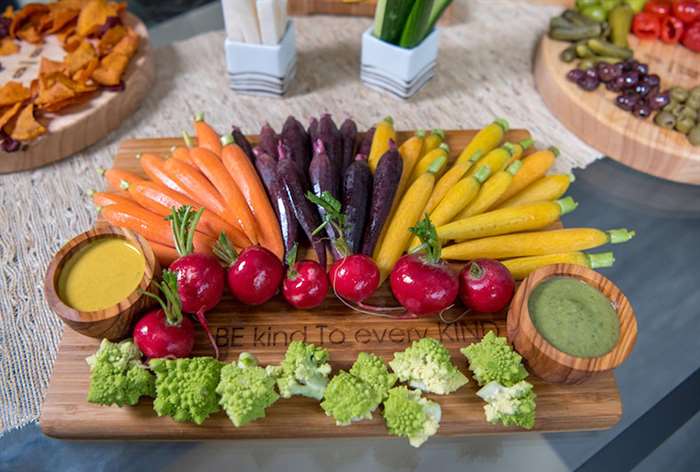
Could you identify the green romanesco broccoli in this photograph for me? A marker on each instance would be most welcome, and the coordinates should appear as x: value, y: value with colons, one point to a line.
x: 408, y: 415
x: 246, y: 390
x: 426, y: 365
x: 304, y: 371
x: 492, y: 359
x: 510, y: 406
x: 186, y: 388
x: 117, y: 375
x: 372, y: 369
x: 348, y: 398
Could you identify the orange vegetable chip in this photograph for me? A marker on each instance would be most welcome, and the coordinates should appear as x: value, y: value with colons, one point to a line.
x: 59, y: 16
x: 66, y: 32
x: 48, y: 67
x: 111, y: 68
x: 8, y: 113
x: 24, y: 14
x: 110, y: 39
x: 92, y: 16
x: 85, y: 74
x: 9, y: 11
x: 34, y: 88
x: 13, y: 92
x: 24, y: 126
x: 8, y: 46
x: 72, y: 42
x: 80, y: 57
x: 30, y: 34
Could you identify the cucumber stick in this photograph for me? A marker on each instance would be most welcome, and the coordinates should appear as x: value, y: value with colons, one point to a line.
x: 439, y: 8
x: 390, y: 18
x: 414, y: 31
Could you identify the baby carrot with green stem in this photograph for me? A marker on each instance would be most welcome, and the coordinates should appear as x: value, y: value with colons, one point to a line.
x: 103, y: 199
x: 449, y: 180
x: 485, y: 140
x: 198, y: 188
x: 154, y: 167
x: 535, y: 166
x: 521, y: 267
x: 182, y: 153
x: 207, y: 137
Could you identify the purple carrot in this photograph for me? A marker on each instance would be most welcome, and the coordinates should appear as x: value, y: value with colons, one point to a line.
x: 289, y: 226
x: 294, y: 135
x: 269, y: 140
x: 322, y: 178
x: 357, y: 187
x: 348, y: 136
x: 366, y: 143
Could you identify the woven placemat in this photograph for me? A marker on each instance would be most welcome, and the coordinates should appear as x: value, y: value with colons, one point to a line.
x: 484, y: 71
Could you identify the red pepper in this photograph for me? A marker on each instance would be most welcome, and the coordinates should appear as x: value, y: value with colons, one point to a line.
x: 671, y: 30
x: 691, y: 38
x: 646, y: 25
x: 658, y: 7
x: 687, y: 11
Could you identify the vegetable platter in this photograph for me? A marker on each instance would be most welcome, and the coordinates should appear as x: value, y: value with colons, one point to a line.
x: 266, y: 331
x: 640, y: 135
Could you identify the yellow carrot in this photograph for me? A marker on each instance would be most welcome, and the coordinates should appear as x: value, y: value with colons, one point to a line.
x: 485, y: 140
x: 433, y: 140
x: 507, y: 220
x: 491, y: 191
x: 449, y: 180
x: 538, y: 243
x: 519, y: 149
x: 535, y: 166
x: 549, y: 187
x: 409, y: 211
x: 521, y: 267
x: 411, y: 151
x: 427, y: 160
x: 496, y: 159
x: 456, y: 198
x: 384, y: 131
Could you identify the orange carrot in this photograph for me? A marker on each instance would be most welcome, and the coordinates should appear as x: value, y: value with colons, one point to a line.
x: 206, y: 136
x: 149, y: 225
x: 212, y: 167
x: 246, y: 177
x: 196, y: 186
x: 103, y: 199
x: 154, y: 167
x: 114, y: 177
x: 165, y: 254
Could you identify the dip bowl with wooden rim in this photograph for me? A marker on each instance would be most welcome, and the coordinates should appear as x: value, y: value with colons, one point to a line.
x: 543, y: 358
x: 114, y: 320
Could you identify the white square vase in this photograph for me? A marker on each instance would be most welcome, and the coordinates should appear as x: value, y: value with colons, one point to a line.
x: 398, y: 70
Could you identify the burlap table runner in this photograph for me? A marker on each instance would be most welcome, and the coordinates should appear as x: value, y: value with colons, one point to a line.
x: 484, y: 71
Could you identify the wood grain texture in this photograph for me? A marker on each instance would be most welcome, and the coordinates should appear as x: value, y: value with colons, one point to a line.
x: 594, y: 117
x: 546, y: 361
x: 266, y: 330
x: 350, y: 8
x: 115, y: 322
x: 76, y: 128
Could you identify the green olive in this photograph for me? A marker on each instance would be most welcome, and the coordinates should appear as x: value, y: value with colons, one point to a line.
x: 693, y: 102
x: 665, y: 119
x: 685, y: 125
x: 587, y: 63
x: 687, y: 112
x: 671, y: 106
x: 695, y: 90
x: 595, y: 13
x: 694, y: 136
x: 568, y: 54
x: 679, y: 94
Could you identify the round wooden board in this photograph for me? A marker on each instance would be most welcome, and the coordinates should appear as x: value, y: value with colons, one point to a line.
x: 594, y: 117
x: 76, y: 128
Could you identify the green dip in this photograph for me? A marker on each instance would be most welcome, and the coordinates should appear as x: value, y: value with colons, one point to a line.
x: 574, y: 317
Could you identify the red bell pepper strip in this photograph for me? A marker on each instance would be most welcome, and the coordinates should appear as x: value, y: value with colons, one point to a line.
x: 658, y: 7
x: 671, y: 30
x: 688, y: 11
x: 691, y: 38
x: 646, y: 25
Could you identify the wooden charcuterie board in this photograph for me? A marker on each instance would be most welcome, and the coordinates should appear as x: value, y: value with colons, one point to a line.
x: 266, y: 330
x: 77, y: 127
x: 349, y: 8
x: 594, y: 117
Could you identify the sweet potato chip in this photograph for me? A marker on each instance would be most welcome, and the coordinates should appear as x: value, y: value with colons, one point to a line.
x: 72, y: 42
x: 59, y: 16
x: 24, y: 126
x: 128, y: 45
x: 8, y: 46
x: 80, y: 58
x: 25, y: 14
x: 8, y: 113
x: 34, y: 88
x: 13, y: 92
x: 111, y: 68
x: 85, y: 74
x: 30, y: 34
x: 9, y: 11
x: 48, y: 67
x: 110, y: 39
x: 92, y: 16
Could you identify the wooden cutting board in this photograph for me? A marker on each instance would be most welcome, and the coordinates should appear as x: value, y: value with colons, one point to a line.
x: 594, y: 117
x: 76, y: 128
x: 265, y: 331
x: 349, y: 8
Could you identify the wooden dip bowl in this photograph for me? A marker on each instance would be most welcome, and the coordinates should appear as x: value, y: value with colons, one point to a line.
x: 115, y: 322
x: 546, y: 361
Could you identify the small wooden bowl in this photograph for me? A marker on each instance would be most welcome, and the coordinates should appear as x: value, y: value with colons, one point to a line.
x: 115, y: 322
x: 546, y: 361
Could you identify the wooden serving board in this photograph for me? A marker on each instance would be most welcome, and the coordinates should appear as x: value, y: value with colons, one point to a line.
x: 265, y: 331
x: 594, y: 117
x: 77, y: 127
x: 349, y: 8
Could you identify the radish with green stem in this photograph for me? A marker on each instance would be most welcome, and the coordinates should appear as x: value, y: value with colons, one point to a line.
x: 306, y: 284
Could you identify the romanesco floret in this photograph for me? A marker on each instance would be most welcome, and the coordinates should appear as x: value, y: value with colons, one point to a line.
x: 348, y: 398
x: 304, y: 371
x: 510, y: 406
x: 492, y: 359
x: 117, y: 375
x: 372, y: 369
x: 408, y: 415
x: 186, y: 388
x: 426, y: 365
x: 246, y: 390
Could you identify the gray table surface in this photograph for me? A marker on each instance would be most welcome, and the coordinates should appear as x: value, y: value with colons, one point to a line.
x: 659, y: 272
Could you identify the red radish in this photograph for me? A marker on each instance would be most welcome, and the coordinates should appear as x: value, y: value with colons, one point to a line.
x: 200, y: 277
x: 423, y: 283
x: 165, y: 332
x: 354, y: 277
x: 306, y: 284
x: 486, y: 286
x: 254, y: 275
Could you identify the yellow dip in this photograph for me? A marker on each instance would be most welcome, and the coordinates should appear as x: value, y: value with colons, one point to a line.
x: 101, y: 274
